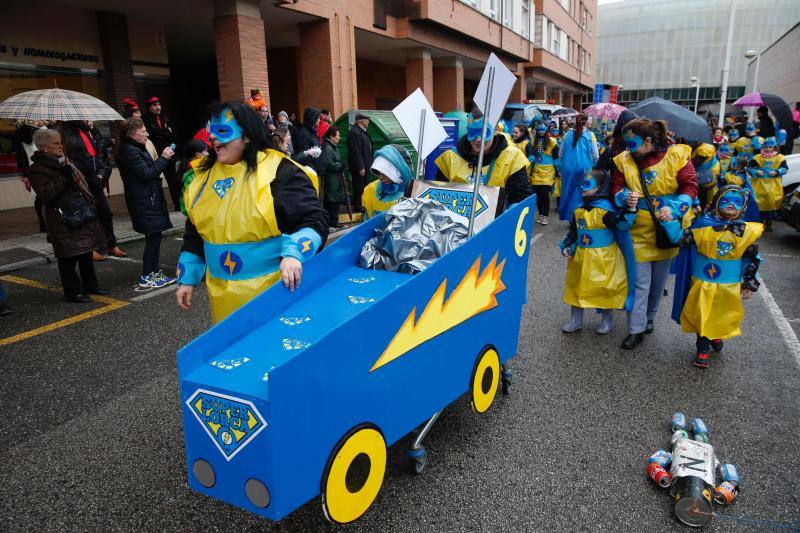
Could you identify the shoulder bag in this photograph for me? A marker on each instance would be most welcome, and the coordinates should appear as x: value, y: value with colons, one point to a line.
x: 662, y: 240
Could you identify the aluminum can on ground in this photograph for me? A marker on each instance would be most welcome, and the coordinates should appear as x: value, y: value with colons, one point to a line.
x: 678, y: 421
x: 725, y: 493
x: 698, y: 426
x: 728, y: 472
x: 658, y: 474
x: 661, y: 457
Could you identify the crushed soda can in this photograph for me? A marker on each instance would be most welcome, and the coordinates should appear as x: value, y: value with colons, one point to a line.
x: 658, y: 474
x: 725, y: 493
x: 661, y: 457
x: 698, y: 426
x: 729, y: 473
x: 678, y: 421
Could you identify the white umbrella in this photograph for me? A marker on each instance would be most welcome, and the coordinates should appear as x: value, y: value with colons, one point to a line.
x: 56, y: 104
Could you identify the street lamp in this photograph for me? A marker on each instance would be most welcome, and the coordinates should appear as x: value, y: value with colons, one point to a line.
x: 694, y: 81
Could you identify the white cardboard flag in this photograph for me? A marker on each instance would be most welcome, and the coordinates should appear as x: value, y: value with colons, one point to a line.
x: 504, y: 81
x: 408, y: 114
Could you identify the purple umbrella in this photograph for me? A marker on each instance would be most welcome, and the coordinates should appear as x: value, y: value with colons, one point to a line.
x: 605, y: 110
x: 750, y: 100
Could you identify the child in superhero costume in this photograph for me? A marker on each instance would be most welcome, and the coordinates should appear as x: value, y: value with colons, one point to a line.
x: 601, y: 266
x: 765, y: 171
x: 737, y: 175
x: 253, y: 216
x: 543, y: 173
x: 707, y: 166
x: 749, y: 145
x: 724, y: 156
x: 392, y: 165
x: 716, y: 270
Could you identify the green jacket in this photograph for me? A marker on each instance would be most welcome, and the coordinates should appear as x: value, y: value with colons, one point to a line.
x: 334, y: 172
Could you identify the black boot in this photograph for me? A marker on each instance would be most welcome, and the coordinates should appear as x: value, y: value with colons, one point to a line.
x: 632, y: 341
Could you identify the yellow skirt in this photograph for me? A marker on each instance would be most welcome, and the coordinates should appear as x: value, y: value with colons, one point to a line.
x: 225, y: 296
x: 769, y: 193
x: 596, y: 278
x: 713, y: 310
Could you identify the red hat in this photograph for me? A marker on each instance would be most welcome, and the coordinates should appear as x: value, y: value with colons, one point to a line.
x: 130, y: 104
x: 152, y: 100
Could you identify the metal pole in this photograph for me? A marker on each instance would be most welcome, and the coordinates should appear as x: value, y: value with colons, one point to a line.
x: 419, y: 146
x: 696, y: 97
x: 752, y: 112
x: 479, y: 168
x: 727, y: 67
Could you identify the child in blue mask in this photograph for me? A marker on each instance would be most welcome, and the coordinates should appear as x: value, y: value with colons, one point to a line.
x: 715, y: 271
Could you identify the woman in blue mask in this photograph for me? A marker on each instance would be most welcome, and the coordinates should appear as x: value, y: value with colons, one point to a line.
x: 392, y: 165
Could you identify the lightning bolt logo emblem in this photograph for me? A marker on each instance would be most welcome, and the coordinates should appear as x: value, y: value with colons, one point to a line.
x: 475, y: 294
x: 231, y: 262
x: 712, y: 271
x: 586, y: 240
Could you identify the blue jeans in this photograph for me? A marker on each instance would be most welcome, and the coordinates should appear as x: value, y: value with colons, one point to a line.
x: 651, y: 277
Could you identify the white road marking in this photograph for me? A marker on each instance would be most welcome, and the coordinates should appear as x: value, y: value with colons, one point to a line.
x: 787, y: 332
x: 158, y: 292
x: 124, y: 259
x: 536, y: 238
x: 785, y: 256
x: 178, y: 238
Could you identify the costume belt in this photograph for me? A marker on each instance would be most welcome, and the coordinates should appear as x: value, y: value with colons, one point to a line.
x: 244, y: 260
x: 595, y: 238
x: 544, y: 159
x: 717, y: 270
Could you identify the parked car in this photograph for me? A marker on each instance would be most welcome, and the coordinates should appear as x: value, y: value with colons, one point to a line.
x: 790, y: 210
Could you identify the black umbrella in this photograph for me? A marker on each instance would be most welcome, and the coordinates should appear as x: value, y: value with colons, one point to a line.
x: 679, y: 119
x: 781, y: 110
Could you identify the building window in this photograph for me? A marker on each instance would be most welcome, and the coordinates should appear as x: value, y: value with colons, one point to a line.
x: 553, y: 32
x: 508, y: 14
x: 493, y: 9
x: 379, y: 18
x: 526, y: 18
x: 565, y: 5
x: 584, y: 17
x: 473, y: 3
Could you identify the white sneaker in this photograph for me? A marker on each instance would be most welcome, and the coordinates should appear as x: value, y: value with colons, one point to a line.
x: 544, y: 221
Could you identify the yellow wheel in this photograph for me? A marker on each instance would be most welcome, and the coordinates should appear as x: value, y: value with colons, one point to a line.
x: 354, y: 475
x: 485, y: 379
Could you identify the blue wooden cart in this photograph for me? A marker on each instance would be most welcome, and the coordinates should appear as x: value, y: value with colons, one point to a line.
x: 300, y: 394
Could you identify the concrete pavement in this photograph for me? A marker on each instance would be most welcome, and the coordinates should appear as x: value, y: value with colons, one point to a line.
x: 91, y: 439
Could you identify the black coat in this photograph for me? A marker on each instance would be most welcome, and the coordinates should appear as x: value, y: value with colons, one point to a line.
x: 78, y: 155
x: 160, y: 129
x: 359, y: 150
x: 55, y: 185
x: 306, y: 138
x: 144, y: 194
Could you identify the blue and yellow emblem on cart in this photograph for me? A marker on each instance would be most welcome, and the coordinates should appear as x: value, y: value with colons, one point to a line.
x: 459, y: 202
x: 232, y: 423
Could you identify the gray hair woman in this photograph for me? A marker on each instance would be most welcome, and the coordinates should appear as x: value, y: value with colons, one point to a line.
x: 64, y: 192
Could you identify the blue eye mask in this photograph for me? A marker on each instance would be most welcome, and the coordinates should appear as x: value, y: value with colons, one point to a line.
x: 733, y: 135
x: 224, y: 127
x: 474, y: 130
x: 733, y: 199
x: 541, y: 129
x: 589, y: 183
x: 633, y: 141
x: 750, y: 128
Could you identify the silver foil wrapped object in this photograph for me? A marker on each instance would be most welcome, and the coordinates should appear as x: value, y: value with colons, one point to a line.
x: 414, y: 233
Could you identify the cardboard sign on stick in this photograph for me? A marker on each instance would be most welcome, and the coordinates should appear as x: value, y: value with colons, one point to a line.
x: 504, y: 81
x: 409, y: 114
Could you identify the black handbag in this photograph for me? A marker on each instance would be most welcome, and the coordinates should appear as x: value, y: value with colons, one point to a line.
x: 76, y: 212
x: 663, y: 241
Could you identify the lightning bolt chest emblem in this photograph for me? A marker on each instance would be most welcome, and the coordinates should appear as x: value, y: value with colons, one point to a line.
x: 475, y: 294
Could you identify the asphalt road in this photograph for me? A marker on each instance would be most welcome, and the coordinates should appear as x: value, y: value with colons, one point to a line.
x: 91, y: 436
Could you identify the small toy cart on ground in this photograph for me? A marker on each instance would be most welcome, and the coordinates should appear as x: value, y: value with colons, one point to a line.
x: 300, y: 394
